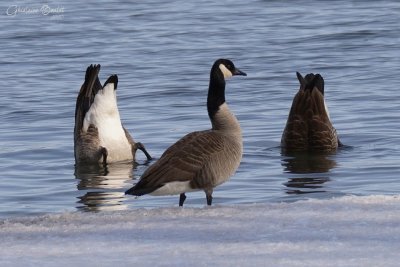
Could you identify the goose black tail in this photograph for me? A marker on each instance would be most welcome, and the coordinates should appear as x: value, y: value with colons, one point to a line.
x: 140, y: 191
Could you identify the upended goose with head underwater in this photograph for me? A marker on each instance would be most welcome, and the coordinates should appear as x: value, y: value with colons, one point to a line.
x: 200, y: 160
x: 99, y: 136
x: 308, y: 126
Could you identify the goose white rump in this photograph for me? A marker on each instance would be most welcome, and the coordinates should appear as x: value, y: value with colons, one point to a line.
x: 105, y: 116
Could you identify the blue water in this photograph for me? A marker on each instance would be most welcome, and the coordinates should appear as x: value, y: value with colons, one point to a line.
x: 163, y: 53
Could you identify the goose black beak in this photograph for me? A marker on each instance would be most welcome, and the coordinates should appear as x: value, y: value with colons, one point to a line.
x: 239, y: 72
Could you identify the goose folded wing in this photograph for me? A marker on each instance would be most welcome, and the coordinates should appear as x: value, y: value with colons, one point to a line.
x: 184, y: 160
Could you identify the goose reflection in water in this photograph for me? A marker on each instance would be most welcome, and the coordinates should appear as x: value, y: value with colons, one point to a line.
x: 103, y: 186
x: 309, y: 171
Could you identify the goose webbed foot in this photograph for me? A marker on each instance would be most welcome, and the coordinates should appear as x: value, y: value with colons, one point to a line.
x: 182, y: 198
x: 141, y: 147
x: 340, y: 144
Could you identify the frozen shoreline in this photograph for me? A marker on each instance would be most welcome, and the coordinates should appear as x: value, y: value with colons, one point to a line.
x: 346, y: 231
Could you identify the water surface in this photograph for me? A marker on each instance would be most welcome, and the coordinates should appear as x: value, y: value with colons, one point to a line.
x: 163, y: 53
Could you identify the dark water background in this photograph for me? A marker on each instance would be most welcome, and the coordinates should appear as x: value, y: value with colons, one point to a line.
x: 163, y: 53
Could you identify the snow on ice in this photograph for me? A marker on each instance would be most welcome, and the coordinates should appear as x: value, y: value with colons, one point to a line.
x: 346, y: 231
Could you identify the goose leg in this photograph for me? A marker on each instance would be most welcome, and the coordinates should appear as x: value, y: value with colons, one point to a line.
x: 104, y: 154
x: 209, y: 196
x: 182, y: 198
x: 141, y: 147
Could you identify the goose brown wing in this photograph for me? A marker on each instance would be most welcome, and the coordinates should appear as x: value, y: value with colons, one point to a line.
x: 322, y: 135
x: 308, y: 125
x: 295, y: 134
x: 183, y: 161
x: 86, y: 96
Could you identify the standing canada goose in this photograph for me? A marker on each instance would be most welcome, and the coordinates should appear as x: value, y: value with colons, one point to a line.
x: 99, y: 136
x: 200, y: 160
x: 308, y: 127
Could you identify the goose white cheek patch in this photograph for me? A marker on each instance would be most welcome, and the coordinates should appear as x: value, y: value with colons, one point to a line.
x: 227, y: 73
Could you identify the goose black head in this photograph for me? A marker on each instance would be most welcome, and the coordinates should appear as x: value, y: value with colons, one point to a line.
x: 221, y: 70
x: 226, y: 68
x: 311, y: 81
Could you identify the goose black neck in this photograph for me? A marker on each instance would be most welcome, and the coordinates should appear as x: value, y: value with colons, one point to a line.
x: 216, y: 92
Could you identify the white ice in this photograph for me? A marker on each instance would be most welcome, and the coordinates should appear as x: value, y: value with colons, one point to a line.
x: 346, y: 231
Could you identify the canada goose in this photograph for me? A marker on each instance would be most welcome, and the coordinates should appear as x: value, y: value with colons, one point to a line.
x: 99, y: 136
x: 200, y: 160
x: 308, y: 127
